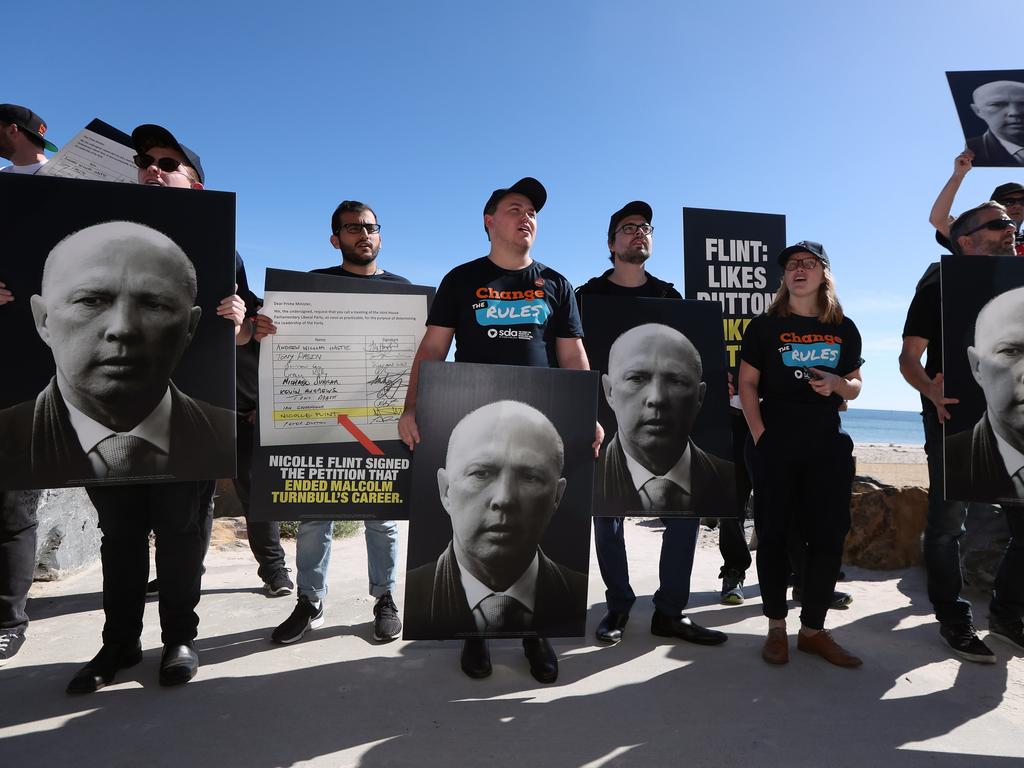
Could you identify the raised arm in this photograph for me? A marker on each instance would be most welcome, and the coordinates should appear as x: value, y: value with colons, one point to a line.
x: 939, y: 216
x: 435, y: 345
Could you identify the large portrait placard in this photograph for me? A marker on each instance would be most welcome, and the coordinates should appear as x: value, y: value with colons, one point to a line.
x: 983, y: 361
x: 664, y: 405
x: 332, y: 385
x: 499, y: 533
x: 729, y: 257
x: 119, y: 369
x: 990, y: 105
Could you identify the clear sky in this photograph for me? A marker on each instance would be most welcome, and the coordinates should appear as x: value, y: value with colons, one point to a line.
x: 838, y: 116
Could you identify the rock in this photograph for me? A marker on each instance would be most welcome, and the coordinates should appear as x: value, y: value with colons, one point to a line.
x: 886, y: 525
x: 68, y: 537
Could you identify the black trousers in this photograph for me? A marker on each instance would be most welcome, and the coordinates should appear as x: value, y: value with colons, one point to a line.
x: 17, y: 556
x: 802, y: 473
x: 174, y: 512
x: 732, y: 544
x: 264, y: 535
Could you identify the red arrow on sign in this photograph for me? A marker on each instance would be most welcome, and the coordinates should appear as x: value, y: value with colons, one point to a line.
x: 359, y: 435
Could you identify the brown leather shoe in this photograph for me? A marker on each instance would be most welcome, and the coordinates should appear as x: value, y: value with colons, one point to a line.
x: 823, y: 645
x: 776, y: 646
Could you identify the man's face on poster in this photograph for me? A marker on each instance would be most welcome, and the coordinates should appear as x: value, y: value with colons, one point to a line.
x: 116, y: 309
x: 654, y: 387
x: 500, y: 486
x: 1001, y: 106
x: 997, y: 363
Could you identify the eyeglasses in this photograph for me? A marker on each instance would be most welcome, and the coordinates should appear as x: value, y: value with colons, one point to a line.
x: 165, y: 164
x: 995, y: 226
x: 355, y: 229
x: 632, y: 229
x: 811, y: 263
x: 1008, y: 201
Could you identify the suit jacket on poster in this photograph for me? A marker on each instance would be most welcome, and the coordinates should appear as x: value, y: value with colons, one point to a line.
x: 712, y: 484
x: 975, y: 471
x: 436, y: 605
x: 988, y: 150
x: 40, y: 448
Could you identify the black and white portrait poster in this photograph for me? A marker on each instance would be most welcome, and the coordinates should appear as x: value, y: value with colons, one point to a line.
x: 983, y: 360
x: 118, y: 367
x: 729, y: 257
x: 499, y: 532
x: 664, y: 405
x: 990, y: 105
x: 332, y: 388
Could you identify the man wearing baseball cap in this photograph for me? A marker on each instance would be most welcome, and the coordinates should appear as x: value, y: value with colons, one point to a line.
x: 551, y: 336
x: 175, y: 512
x: 630, y: 242
x: 22, y: 139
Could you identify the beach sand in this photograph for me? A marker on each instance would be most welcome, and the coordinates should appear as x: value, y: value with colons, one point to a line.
x: 892, y: 464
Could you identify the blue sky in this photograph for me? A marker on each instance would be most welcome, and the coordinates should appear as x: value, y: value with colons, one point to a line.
x: 838, y: 116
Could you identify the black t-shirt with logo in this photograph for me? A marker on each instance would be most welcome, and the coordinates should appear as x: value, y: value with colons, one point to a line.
x: 503, y: 316
x: 782, y: 347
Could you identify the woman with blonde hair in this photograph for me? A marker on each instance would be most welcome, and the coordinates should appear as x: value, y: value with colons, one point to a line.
x: 800, y: 362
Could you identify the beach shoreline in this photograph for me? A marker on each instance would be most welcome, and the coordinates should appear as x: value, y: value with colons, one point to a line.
x: 892, y: 464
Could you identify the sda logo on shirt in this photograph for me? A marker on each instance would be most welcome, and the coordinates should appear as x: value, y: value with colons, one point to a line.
x: 509, y: 333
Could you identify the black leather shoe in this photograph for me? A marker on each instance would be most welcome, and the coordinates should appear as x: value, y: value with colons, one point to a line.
x: 104, y: 665
x: 611, y: 626
x: 543, y: 662
x: 178, y: 664
x: 476, y: 658
x: 684, y: 628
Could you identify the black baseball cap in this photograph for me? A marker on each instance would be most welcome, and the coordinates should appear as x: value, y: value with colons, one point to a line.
x: 635, y: 208
x: 147, y: 136
x: 1003, y: 190
x: 28, y: 121
x: 808, y: 246
x: 529, y: 187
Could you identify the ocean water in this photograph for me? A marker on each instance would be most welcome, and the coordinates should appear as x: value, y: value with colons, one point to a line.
x: 887, y: 427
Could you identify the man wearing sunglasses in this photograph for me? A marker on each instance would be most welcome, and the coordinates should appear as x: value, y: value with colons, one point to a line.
x: 986, y: 230
x: 356, y: 234
x: 177, y: 513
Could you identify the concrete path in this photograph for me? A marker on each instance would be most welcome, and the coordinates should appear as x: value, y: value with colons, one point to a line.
x: 339, y: 699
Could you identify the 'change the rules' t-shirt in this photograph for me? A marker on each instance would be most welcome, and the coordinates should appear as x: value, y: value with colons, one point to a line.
x: 782, y: 347
x: 506, y: 317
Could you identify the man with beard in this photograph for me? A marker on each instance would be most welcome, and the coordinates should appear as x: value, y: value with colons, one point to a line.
x: 356, y: 233
x: 982, y: 231
x: 630, y: 243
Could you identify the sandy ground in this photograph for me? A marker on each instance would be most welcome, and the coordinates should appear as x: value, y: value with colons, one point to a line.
x: 892, y: 464
x: 339, y: 699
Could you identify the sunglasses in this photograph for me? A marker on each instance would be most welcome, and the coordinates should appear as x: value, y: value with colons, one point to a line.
x: 995, y: 225
x: 165, y: 164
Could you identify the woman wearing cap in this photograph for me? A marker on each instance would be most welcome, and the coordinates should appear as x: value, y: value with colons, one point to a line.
x: 800, y: 361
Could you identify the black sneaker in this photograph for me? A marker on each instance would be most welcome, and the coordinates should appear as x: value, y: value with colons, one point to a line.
x: 965, y: 643
x: 304, y: 618
x: 1011, y: 632
x: 732, y: 587
x: 386, y: 624
x: 278, y: 583
x: 840, y: 600
x: 10, y: 644
x: 153, y: 588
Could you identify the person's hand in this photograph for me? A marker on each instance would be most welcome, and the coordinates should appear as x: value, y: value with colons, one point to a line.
x: 940, y: 401
x: 598, y: 439
x: 5, y: 295
x: 825, y: 383
x: 407, y: 429
x: 264, y: 327
x: 233, y: 308
x: 963, y: 163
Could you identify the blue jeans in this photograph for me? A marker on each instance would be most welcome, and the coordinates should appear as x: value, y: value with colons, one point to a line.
x: 313, y: 555
x: 678, y: 543
x: 942, y: 534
